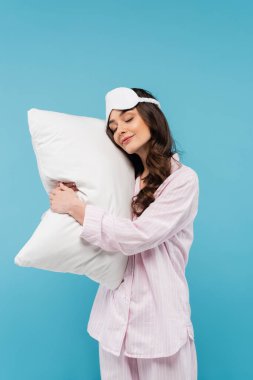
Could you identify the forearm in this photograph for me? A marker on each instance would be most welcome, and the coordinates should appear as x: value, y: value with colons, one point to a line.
x: 77, y: 211
x: 171, y: 212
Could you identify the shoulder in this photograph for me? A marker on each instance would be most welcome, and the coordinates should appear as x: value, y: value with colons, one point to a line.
x: 181, y: 170
x: 183, y: 177
x: 188, y: 173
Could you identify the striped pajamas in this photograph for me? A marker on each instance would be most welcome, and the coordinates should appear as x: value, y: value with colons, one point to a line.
x: 146, y: 322
x: 180, y: 366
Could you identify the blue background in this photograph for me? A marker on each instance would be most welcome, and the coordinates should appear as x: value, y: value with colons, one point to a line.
x: 196, y: 57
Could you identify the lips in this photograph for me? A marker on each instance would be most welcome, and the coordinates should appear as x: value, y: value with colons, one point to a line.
x: 126, y: 139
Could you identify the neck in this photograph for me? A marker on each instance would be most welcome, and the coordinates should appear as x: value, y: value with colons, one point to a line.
x: 142, y: 153
x: 144, y: 173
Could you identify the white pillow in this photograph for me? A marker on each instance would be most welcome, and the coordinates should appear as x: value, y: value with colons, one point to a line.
x: 76, y: 148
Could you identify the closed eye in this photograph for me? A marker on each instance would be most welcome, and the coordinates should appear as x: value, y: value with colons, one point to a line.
x: 127, y: 121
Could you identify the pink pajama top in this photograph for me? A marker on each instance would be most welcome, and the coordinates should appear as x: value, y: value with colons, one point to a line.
x: 149, y: 314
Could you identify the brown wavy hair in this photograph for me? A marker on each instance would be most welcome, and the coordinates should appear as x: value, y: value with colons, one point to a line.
x: 161, y: 148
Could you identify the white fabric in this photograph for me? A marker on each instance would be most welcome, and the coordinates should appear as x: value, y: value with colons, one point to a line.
x: 122, y: 98
x: 76, y: 149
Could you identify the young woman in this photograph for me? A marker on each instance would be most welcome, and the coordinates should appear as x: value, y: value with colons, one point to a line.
x: 144, y: 326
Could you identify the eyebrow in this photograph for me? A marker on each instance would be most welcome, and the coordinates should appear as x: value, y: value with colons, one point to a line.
x: 121, y: 113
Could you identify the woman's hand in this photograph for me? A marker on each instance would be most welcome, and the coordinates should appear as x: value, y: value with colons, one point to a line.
x: 64, y: 201
x: 63, y: 198
x: 71, y: 185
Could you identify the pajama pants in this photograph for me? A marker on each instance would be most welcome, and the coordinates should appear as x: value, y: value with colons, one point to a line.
x: 180, y: 366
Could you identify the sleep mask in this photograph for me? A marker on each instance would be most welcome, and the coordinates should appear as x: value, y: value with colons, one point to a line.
x: 122, y: 98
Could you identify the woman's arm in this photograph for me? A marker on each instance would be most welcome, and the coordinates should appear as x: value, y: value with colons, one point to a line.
x: 168, y: 214
x: 77, y: 210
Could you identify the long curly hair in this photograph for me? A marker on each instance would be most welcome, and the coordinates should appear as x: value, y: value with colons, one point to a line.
x: 161, y: 149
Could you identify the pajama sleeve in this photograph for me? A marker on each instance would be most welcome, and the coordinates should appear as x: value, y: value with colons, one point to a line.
x: 173, y: 209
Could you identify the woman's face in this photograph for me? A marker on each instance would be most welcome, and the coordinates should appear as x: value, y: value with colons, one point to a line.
x: 129, y: 124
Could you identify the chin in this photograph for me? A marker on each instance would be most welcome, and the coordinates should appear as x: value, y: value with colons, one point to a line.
x: 130, y: 150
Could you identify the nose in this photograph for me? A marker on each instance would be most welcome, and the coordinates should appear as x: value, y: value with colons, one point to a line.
x: 121, y: 129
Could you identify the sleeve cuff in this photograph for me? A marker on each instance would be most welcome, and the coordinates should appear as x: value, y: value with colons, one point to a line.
x: 91, y: 226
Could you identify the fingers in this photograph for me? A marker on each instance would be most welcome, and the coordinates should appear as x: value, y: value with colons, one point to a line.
x: 60, y: 186
x: 70, y: 185
x: 54, y: 191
